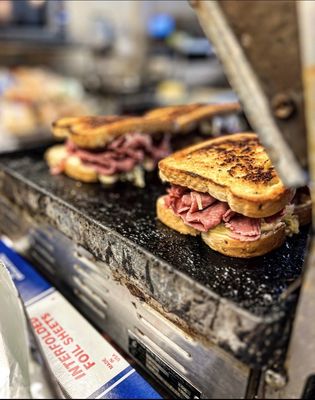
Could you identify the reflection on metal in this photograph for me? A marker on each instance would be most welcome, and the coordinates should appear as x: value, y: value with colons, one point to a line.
x: 306, y: 12
x: 274, y: 109
x: 309, y: 83
x: 258, y: 43
x: 300, y: 363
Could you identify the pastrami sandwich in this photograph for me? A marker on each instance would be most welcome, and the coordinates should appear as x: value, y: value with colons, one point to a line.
x: 106, y: 149
x: 112, y: 148
x: 227, y: 191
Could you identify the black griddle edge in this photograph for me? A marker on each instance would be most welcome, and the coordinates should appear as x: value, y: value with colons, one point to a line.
x: 240, y: 305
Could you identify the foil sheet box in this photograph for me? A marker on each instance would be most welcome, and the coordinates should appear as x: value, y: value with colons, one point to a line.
x: 83, y: 363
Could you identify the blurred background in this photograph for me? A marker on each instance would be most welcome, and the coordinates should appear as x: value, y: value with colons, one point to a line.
x: 63, y: 57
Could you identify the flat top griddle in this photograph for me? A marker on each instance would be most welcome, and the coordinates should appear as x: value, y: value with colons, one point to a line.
x: 241, y: 305
x: 255, y: 284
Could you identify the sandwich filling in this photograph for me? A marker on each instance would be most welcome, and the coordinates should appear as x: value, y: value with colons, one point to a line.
x: 203, y: 212
x: 121, y: 157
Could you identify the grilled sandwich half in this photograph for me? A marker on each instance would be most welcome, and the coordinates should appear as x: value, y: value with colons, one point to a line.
x: 227, y: 191
x: 111, y: 148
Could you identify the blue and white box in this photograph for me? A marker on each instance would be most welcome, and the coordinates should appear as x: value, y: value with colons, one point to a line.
x: 82, y: 361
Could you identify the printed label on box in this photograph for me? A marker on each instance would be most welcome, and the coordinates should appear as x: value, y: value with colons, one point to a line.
x: 84, y: 363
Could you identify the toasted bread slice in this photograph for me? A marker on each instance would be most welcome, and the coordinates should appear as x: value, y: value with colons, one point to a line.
x: 97, y: 131
x: 62, y: 127
x: 235, y: 169
x: 218, y: 238
x: 55, y: 155
x: 75, y: 169
x: 72, y: 165
x: 185, y: 117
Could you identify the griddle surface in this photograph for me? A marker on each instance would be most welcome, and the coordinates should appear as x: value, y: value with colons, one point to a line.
x: 254, y: 284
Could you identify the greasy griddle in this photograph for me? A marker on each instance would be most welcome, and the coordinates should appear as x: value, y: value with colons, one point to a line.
x: 257, y: 286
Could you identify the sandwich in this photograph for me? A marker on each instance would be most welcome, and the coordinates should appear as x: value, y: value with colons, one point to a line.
x: 226, y: 190
x: 120, y: 148
x: 106, y: 149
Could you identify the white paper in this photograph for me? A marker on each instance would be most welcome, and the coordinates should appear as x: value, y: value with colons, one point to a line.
x: 14, y: 357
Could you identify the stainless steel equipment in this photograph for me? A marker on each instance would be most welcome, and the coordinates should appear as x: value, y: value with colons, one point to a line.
x: 205, y: 325
x: 198, y: 321
x: 256, y: 42
x: 267, y: 52
x: 173, y: 355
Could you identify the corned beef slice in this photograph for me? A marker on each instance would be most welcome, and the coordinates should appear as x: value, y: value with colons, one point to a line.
x: 244, y: 226
x: 228, y: 215
x: 122, y: 154
x: 204, y: 212
x: 208, y: 218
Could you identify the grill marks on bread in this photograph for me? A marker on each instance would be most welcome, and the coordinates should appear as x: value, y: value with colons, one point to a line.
x: 235, y: 169
x: 243, y: 159
x: 96, y: 131
x: 88, y: 124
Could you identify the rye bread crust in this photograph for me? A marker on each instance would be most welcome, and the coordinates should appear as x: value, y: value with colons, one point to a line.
x: 235, y: 169
x: 96, y: 131
x: 73, y: 167
x: 222, y: 242
x: 235, y: 248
